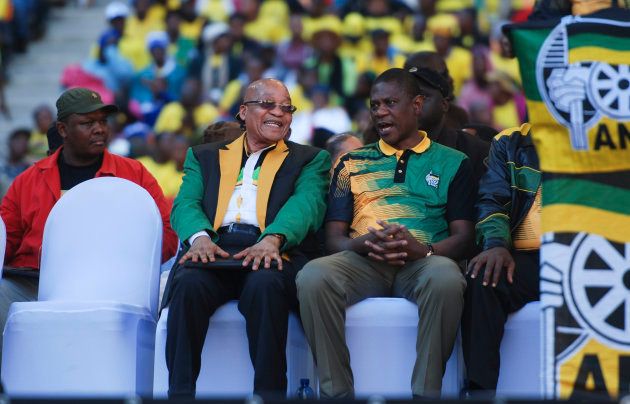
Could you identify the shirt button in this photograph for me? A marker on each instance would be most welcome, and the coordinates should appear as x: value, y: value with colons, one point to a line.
x: 402, y: 161
x: 400, y: 171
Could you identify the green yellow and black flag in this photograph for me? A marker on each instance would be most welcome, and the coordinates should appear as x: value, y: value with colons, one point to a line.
x: 576, y: 78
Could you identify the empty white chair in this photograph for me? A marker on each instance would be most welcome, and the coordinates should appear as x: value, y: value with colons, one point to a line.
x: 226, y: 369
x: 520, y: 374
x: 381, y: 336
x: 92, y: 331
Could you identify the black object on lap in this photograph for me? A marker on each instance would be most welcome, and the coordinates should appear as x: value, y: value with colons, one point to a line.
x: 233, y: 239
x: 228, y: 264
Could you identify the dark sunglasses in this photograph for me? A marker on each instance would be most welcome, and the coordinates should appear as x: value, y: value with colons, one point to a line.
x: 269, y: 105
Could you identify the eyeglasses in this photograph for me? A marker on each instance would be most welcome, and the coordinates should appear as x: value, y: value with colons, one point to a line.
x: 270, y: 105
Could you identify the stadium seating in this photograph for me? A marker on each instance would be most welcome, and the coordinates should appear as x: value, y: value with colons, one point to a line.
x: 226, y: 369
x: 92, y: 331
x: 381, y: 336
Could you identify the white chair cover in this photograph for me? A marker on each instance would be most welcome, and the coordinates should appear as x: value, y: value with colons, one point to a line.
x: 103, y: 241
x: 226, y: 369
x: 3, y: 243
x: 381, y: 336
x: 520, y: 375
x: 92, y: 332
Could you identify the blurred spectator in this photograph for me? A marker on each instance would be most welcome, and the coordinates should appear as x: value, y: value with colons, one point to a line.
x: 160, y: 82
x: 55, y: 140
x: 134, y: 140
x: 508, y: 103
x: 499, y: 58
x: 220, y: 131
x: 468, y: 34
x: 354, y: 42
x: 382, y: 57
x: 326, y: 115
x: 480, y: 112
x: 418, y: 40
x: 340, y: 144
x: 456, y: 116
x: 16, y: 162
x: 234, y: 91
x: 292, y: 54
x: 435, y: 91
x: 266, y: 21
x: 29, y: 22
x: 146, y: 17
x: 182, y: 48
x: 337, y: 73
x: 329, y: 119
x: 242, y: 46
x: 191, y: 24
x: 38, y: 145
x: 161, y: 165
x: 215, y: 66
x: 215, y: 10
x: 110, y: 65
x: 178, y: 154
x: 359, y: 100
x: 476, y: 89
x: 444, y: 27
x: 189, y: 115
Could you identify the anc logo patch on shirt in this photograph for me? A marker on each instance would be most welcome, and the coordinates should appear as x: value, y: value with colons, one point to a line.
x: 433, y: 180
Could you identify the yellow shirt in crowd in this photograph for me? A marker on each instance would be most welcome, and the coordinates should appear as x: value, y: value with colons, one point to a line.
x: 171, y: 116
x: 166, y: 175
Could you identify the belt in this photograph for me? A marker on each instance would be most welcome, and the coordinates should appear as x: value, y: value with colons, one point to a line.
x: 239, y: 228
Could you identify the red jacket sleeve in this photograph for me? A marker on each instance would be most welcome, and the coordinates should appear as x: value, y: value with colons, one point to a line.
x: 11, y: 215
x: 169, y: 238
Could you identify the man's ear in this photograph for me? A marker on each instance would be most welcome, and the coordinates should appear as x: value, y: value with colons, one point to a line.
x: 446, y: 105
x: 418, y: 103
x: 242, y: 112
x: 61, y: 128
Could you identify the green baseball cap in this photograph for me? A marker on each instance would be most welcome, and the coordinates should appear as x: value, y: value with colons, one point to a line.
x: 81, y: 101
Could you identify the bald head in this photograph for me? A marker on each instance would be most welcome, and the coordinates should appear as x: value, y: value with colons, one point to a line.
x: 267, y: 113
x: 258, y: 87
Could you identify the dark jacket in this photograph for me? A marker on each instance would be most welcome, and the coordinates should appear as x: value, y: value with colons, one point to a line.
x: 508, y: 188
x: 292, y: 186
x: 472, y: 146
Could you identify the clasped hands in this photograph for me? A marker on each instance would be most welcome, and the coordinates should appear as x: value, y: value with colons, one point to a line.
x: 392, y: 243
x: 263, y: 252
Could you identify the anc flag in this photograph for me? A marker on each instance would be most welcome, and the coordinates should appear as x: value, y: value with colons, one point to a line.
x: 576, y: 79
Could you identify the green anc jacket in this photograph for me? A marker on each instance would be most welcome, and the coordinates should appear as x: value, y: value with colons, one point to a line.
x: 292, y: 186
x: 508, y: 188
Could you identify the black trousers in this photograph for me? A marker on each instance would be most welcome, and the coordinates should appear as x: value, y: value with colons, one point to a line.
x: 265, y: 298
x: 485, y: 312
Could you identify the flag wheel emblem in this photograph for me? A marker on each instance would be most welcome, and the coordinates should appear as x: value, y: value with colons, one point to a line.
x: 599, y: 288
x: 610, y: 89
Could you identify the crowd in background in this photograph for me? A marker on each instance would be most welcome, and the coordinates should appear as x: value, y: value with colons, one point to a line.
x: 174, y: 67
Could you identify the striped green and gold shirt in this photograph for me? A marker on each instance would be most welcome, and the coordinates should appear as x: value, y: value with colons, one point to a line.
x: 423, y: 188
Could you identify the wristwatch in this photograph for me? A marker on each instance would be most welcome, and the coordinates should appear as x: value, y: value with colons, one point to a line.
x: 431, y: 250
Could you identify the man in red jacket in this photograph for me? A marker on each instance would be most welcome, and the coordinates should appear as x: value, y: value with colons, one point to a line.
x: 82, y: 124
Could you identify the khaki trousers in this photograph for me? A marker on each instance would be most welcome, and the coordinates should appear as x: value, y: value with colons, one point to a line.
x: 326, y: 286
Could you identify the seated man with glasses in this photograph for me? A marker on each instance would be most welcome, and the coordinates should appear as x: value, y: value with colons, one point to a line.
x: 247, y: 212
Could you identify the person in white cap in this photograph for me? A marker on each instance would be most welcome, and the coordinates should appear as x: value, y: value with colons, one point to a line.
x: 215, y: 66
x: 160, y: 82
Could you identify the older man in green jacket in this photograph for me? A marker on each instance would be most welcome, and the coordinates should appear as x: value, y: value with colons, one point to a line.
x: 246, y: 213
